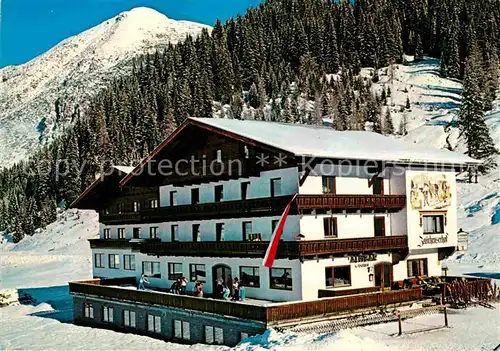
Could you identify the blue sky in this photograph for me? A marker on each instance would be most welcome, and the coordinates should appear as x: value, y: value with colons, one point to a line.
x: 30, y: 27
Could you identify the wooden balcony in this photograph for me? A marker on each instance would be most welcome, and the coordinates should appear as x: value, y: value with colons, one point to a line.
x: 286, y: 249
x: 270, y: 314
x: 269, y: 206
x: 351, y: 202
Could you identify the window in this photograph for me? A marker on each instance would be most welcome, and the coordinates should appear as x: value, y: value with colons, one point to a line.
x: 154, y: 324
x: 433, y: 224
x: 250, y: 276
x: 244, y: 190
x: 330, y: 227
x: 137, y: 206
x: 121, y: 233
x: 136, y: 233
x: 181, y: 330
x: 378, y: 186
x: 106, y: 233
x: 119, y: 207
x: 151, y: 269
x: 114, y: 261
x: 129, y: 262
x: 246, y: 229
x: 99, y: 260
x: 174, y: 271
x: 196, y: 232
x: 379, y: 226
x: 88, y: 310
x: 129, y: 318
x: 197, y: 273
x: 275, y: 187
x: 195, y: 196
x: 338, y: 276
x: 153, y: 203
x: 214, y: 335
x: 243, y: 336
x: 281, y: 278
x: 219, y: 231
x: 417, y: 268
x: 173, y: 198
x: 174, y: 232
x: 274, y: 224
x: 219, y: 193
x: 255, y: 237
x: 329, y: 185
x: 107, y: 314
x: 153, y: 233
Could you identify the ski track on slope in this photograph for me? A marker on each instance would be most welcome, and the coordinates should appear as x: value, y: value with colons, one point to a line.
x: 61, y: 253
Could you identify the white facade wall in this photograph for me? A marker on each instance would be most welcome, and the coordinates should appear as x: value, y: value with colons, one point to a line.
x: 314, y: 278
x: 264, y: 292
x: 352, y: 225
x: 397, y: 184
x: 233, y: 229
x: 259, y: 187
x: 350, y: 180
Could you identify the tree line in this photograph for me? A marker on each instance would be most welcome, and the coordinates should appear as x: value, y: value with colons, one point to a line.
x: 287, y: 60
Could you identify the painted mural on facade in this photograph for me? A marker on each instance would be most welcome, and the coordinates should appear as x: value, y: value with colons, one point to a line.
x: 430, y: 191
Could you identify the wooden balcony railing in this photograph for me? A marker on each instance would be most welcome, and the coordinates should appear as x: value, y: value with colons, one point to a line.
x: 219, y: 210
x: 269, y: 314
x: 286, y: 249
x: 351, y: 202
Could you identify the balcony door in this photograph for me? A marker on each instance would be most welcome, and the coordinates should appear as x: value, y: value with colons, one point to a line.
x: 221, y: 272
x: 383, y: 275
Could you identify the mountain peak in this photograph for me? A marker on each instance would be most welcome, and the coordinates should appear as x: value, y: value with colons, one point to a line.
x: 72, y: 72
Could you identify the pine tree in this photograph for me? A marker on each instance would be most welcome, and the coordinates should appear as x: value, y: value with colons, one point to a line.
x: 471, y: 117
x: 388, y: 125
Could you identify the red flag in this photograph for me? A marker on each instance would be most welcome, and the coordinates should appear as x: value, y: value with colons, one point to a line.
x: 275, y: 238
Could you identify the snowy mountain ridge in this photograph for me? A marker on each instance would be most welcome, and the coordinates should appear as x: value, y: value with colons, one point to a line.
x: 72, y: 72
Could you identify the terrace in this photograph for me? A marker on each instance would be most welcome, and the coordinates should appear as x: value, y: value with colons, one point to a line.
x: 268, y: 312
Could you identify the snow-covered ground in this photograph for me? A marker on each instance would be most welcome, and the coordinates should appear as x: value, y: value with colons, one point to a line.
x: 41, y: 265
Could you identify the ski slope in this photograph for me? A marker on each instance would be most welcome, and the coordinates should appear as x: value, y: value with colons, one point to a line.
x: 41, y: 265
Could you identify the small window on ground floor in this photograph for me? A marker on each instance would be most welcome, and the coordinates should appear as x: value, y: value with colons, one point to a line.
x: 174, y: 271
x: 281, y: 278
x: 107, y: 314
x: 88, y: 310
x: 114, y: 261
x: 338, y: 277
x: 182, y: 330
x: 154, y: 323
x: 99, y: 260
x: 250, y: 276
x: 129, y: 262
x: 129, y: 318
x: 214, y: 335
x: 151, y: 269
x: 417, y: 267
x: 197, y: 273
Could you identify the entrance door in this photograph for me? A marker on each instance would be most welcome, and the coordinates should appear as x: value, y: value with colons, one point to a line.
x: 383, y: 275
x: 221, y: 271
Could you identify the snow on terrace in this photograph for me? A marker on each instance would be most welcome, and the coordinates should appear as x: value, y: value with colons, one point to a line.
x: 319, y: 141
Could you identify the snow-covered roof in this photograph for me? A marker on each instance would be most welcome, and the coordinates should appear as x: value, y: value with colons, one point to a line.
x: 321, y: 141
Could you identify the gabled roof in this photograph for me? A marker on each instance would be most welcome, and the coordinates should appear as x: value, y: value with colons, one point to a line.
x: 325, y: 142
x: 110, y: 179
x: 317, y: 141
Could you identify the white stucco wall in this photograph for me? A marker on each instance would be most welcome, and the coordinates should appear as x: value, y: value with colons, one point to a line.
x: 233, y: 229
x: 351, y: 225
x: 264, y: 292
x: 259, y: 187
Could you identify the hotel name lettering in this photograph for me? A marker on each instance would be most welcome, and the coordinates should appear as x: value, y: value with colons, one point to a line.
x: 362, y: 258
